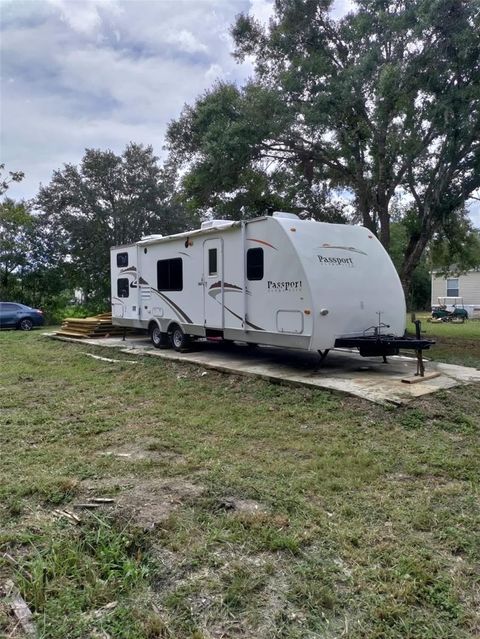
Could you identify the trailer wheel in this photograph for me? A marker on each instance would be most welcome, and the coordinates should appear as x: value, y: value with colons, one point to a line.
x: 159, y: 339
x: 180, y: 342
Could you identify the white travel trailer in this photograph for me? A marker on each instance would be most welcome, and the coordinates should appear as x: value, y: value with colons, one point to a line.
x: 275, y: 280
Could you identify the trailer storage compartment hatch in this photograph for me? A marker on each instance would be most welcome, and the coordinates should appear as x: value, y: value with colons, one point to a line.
x: 290, y: 321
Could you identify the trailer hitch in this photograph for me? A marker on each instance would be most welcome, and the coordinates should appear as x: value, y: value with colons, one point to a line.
x: 382, y: 345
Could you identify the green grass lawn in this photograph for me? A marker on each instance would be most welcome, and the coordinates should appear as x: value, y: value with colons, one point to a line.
x: 241, y: 508
x: 455, y: 343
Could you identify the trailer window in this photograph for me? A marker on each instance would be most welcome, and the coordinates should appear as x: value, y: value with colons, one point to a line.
x: 122, y: 260
x: 170, y: 274
x: 122, y: 287
x: 255, y: 264
x: 212, y: 261
x: 452, y: 287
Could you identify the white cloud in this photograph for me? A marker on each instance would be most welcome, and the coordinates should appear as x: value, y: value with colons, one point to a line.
x: 187, y: 41
x: 100, y: 73
x: 342, y: 7
x: 261, y: 10
x: 214, y: 72
x: 80, y: 15
x: 474, y: 212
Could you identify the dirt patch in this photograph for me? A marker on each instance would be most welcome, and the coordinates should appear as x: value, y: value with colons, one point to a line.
x: 204, y: 589
x: 145, y: 502
x: 431, y: 481
x: 144, y: 450
x: 249, y: 506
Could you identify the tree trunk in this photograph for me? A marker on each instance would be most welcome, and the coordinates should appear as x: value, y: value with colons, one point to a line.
x: 413, y: 254
x: 382, y: 199
x: 384, y: 218
x: 365, y: 209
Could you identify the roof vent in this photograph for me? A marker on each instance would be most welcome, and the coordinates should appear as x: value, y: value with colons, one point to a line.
x: 289, y: 216
x: 213, y: 224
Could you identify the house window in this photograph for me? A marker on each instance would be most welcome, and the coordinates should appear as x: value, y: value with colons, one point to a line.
x: 452, y: 287
x: 255, y: 264
x: 170, y: 274
x: 122, y: 287
x: 122, y: 260
x: 212, y: 261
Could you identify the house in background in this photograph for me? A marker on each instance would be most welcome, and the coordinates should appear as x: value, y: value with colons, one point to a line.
x: 466, y: 287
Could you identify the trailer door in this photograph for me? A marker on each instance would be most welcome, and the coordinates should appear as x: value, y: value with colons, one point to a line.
x: 213, y: 283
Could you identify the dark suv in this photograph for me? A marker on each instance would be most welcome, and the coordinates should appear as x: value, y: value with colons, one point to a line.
x: 13, y: 315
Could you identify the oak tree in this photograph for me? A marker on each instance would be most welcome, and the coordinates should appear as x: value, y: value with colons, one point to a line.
x: 382, y: 103
x: 108, y: 200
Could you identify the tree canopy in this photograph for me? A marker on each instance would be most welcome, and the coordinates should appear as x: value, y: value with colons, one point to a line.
x: 32, y: 269
x: 16, y: 231
x: 108, y: 200
x: 384, y: 102
x: 6, y: 180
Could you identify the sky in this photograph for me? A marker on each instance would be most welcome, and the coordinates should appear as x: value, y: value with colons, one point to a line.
x: 78, y: 74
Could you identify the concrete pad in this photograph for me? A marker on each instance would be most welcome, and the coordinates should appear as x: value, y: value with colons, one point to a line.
x: 343, y: 370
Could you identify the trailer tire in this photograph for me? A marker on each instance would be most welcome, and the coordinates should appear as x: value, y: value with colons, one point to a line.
x: 179, y: 341
x: 159, y: 339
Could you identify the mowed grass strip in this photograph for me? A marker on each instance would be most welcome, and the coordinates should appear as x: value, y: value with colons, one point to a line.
x: 242, y: 508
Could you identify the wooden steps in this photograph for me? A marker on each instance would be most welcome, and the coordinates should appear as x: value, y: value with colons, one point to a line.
x: 97, y: 326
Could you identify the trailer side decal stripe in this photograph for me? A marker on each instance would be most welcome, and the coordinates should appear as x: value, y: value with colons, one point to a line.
x: 174, y: 306
x: 352, y: 249
x: 226, y: 285
x: 216, y: 288
x: 250, y: 239
x: 257, y: 328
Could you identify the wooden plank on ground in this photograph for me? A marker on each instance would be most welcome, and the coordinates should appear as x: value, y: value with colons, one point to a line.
x: 98, y: 326
x: 417, y: 379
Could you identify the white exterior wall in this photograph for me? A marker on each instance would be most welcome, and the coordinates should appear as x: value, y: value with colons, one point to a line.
x: 125, y: 308
x: 353, y: 280
x: 272, y: 315
x: 321, y: 281
x: 468, y: 287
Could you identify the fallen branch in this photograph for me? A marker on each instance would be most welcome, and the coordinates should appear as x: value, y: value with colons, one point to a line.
x: 109, y: 359
x: 67, y: 515
x: 20, y: 609
x: 105, y: 609
x: 110, y: 453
